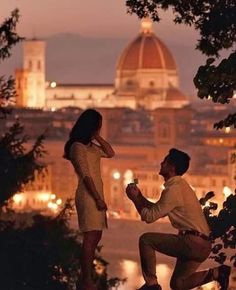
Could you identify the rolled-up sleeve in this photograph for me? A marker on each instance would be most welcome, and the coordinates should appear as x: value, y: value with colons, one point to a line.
x: 78, y: 155
x: 168, y: 201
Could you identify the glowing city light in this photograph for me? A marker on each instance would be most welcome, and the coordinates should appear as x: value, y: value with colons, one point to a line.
x: 53, y: 196
x: 17, y: 198
x: 52, y: 205
x: 116, y: 175
x: 44, y: 196
x: 227, y: 191
x: 59, y: 201
x: 128, y: 177
x: 130, y: 267
x: 163, y: 270
x: 53, y: 84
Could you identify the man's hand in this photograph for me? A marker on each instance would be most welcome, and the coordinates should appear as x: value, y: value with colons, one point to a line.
x: 132, y: 191
x: 101, y: 205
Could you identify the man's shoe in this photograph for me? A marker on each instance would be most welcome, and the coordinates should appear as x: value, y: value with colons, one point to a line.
x: 223, y: 279
x: 152, y: 287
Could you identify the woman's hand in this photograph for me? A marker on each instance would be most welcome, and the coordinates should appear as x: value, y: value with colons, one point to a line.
x: 101, y: 205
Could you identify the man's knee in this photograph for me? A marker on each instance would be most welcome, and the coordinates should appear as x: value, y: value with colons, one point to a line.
x: 144, y: 238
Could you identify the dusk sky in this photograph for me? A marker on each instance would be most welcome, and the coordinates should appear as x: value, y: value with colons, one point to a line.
x: 88, y: 18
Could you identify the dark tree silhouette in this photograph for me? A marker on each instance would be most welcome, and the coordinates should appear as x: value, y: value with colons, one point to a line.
x: 17, y: 166
x: 215, y: 22
x: 223, y: 227
x: 43, y: 252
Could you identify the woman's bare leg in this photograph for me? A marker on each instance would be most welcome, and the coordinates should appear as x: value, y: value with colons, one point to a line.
x: 90, y: 242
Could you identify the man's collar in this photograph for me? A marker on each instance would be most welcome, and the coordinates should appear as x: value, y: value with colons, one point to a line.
x: 172, y: 180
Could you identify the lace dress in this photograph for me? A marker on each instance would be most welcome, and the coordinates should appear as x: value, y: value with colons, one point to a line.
x: 86, y: 161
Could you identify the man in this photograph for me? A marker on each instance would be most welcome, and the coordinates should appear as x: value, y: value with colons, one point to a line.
x: 191, y: 246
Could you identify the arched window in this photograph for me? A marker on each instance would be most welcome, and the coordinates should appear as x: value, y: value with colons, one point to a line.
x: 151, y: 84
x: 129, y: 83
x: 164, y: 128
x: 39, y: 65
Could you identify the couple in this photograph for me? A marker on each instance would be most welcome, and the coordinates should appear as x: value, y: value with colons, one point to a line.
x: 191, y: 246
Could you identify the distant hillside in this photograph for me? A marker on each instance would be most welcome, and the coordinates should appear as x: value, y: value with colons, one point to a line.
x: 72, y: 58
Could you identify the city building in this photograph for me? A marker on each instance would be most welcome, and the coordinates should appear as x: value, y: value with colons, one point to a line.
x: 145, y: 114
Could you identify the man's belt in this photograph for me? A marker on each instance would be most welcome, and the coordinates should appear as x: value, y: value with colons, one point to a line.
x: 194, y: 233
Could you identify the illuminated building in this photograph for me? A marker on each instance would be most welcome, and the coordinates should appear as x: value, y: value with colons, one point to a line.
x: 145, y: 114
x: 146, y: 76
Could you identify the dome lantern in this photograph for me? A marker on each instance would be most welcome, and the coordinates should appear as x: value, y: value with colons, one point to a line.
x: 146, y: 26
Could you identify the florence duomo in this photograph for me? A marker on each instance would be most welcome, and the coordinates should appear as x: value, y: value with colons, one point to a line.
x: 145, y: 113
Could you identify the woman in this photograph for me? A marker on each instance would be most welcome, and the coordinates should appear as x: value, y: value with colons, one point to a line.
x: 85, y: 156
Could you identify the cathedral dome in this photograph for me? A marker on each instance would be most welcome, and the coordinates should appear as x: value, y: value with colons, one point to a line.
x: 146, y: 66
x: 146, y: 52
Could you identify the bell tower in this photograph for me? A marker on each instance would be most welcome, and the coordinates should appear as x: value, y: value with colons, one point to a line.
x: 30, y: 81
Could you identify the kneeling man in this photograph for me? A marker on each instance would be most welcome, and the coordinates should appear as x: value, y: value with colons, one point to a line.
x: 191, y: 246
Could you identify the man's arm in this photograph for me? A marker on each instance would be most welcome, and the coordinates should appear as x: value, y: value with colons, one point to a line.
x: 151, y: 212
x: 137, y: 198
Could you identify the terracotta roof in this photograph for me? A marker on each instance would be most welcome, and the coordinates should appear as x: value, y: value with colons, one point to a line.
x: 146, y: 52
x: 174, y: 94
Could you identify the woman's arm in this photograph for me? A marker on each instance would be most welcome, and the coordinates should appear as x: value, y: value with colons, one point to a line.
x: 106, y: 147
x: 79, y: 160
x: 88, y: 181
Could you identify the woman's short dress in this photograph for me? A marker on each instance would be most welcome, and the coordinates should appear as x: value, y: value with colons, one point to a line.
x: 86, y: 160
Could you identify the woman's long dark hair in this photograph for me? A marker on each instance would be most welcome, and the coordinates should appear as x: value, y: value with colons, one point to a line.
x: 88, y: 123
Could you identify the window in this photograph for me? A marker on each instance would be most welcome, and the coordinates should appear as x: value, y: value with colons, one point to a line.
x: 130, y: 84
x: 213, y: 182
x: 30, y: 65
x: 164, y: 128
x: 224, y: 182
x: 39, y: 65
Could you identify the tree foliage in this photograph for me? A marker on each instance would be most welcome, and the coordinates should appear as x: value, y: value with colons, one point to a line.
x: 223, y: 227
x: 41, y: 252
x: 8, y: 35
x: 8, y: 38
x: 216, y: 24
x: 17, y: 165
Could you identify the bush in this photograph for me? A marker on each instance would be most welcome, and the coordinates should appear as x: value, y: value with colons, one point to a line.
x: 223, y: 227
x: 43, y: 253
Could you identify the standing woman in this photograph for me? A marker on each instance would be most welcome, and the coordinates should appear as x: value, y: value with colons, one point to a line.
x: 91, y: 208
